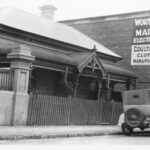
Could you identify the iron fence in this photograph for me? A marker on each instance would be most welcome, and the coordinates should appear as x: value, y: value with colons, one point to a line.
x: 53, y: 110
x: 6, y: 81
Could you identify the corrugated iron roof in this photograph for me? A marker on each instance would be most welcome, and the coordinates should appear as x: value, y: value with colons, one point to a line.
x: 75, y: 59
x: 25, y: 21
x: 112, y: 69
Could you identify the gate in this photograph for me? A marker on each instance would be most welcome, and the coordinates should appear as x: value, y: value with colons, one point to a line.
x: 53, y: 110
x: 111, y: 112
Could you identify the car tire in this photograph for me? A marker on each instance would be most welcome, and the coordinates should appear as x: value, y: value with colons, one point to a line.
x: 140, y: 117
x: 142, y: 128
x: 126, y: 129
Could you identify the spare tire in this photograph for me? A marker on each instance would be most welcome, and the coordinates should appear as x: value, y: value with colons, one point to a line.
x: 134, y: 118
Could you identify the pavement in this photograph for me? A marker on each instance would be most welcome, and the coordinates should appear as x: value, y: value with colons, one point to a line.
x: 45, y: 132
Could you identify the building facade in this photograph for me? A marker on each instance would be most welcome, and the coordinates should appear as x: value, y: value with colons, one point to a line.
x: 52, y: 74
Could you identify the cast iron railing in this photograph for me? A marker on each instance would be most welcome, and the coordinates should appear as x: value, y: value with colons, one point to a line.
x: 6, y: 81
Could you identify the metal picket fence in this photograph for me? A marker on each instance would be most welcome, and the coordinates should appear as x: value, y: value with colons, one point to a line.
x: 53, y: 110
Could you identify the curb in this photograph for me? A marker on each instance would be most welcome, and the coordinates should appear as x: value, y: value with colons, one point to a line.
x: 23, y: 137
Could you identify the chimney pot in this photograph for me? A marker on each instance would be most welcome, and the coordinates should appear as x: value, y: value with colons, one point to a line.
x: 47, y: 11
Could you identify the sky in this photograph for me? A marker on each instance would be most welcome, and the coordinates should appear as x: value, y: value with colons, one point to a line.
x: 75, y: 9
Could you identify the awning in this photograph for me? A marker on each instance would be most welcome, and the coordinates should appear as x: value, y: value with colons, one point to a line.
x: 82, y: 60
x: 112, y: 69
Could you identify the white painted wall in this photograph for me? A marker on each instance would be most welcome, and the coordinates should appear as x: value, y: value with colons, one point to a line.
x: 6, y: 107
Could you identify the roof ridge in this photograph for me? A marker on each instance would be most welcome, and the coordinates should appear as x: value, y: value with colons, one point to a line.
x: 102, y: 17
x: 29, y: 13
x: 6, y: 11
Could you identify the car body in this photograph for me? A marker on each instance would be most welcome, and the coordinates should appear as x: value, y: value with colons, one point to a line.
x: 136, y: 107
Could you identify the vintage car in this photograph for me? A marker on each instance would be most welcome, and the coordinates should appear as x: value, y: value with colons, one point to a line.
x: 136, y: 107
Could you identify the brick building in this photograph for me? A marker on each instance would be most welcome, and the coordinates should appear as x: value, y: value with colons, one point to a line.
x: 116, y: 33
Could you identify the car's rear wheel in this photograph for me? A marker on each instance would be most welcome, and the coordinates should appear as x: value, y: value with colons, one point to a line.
x: 134, y: 118
x: 126, y: 129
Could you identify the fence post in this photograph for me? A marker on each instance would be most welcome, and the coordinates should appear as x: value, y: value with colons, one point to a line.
x: 69, y: 110
x: 20, y: 59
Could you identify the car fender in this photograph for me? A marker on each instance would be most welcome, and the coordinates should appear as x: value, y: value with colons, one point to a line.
x: 121, y: 119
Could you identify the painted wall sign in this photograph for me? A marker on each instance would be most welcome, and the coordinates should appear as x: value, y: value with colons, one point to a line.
x: 140, y: 53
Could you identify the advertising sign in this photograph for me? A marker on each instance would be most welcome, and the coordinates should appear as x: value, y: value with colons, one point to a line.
x: 140, y: 53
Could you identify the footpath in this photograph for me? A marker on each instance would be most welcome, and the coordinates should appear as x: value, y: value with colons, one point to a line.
x: 45, y: 132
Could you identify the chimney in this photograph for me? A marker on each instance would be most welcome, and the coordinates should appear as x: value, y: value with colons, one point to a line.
x: 47, y: 11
